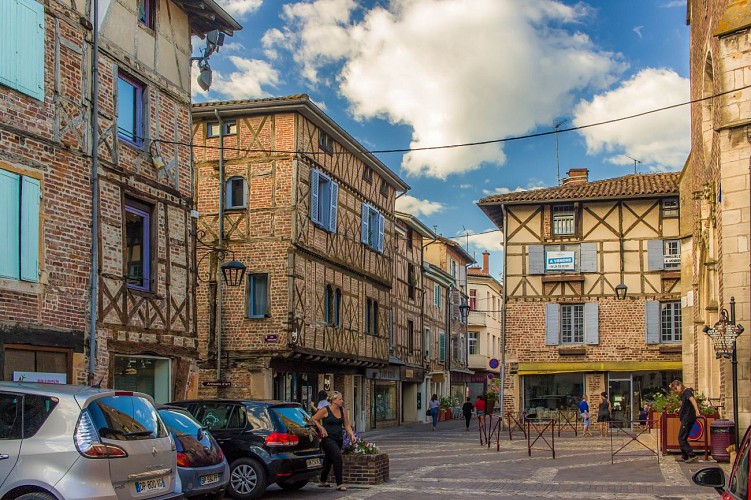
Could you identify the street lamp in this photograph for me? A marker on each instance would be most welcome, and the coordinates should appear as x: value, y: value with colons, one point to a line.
x: 620, y: 291
x: 464, y: 313
x: 724, y: 334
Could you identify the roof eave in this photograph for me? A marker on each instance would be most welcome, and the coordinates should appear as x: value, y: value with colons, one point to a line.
x: 207, y: 15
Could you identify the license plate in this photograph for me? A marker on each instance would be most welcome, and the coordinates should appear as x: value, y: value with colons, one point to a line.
x: 210, y: 479
x: 150, y: 485
x: 313, y: 462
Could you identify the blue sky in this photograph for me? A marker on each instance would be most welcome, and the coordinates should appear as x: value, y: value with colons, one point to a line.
x: 422, y: 73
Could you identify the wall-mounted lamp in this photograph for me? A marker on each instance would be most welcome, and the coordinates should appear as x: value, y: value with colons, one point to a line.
x: 233, y: 273
x: 620, y: 291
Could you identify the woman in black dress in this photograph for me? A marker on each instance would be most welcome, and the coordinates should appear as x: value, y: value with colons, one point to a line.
x: 331, y: 420
x: 604, y: 413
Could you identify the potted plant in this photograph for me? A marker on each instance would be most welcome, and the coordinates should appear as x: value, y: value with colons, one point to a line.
x: 666, y: 407
x: 490, y: 399
x: 364, y: 463
x: 445, y: 410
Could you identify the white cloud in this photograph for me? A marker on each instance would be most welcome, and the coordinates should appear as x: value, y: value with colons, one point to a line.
x: 517, y: 70
x: 675, y: 3
x: 417, y: 207
x: 637, y: 30
x: 489, y: 240
x: 660, y: 140
x: 245, y: 83
x: 465, y: 186
x: 517, y: 189
x: 240, y: 8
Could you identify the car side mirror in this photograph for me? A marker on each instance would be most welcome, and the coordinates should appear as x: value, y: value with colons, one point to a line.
x: 714, y: 477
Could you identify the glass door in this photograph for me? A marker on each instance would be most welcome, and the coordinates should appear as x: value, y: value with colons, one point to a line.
x: 619, y: 392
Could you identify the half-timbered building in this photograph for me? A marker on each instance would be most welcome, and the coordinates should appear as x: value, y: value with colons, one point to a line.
x: 118, y: 312
x: 311, y: 216
x: 568, y: 251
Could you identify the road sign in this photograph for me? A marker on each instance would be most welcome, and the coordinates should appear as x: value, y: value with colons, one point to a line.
x: 493, y: 363
x: 216, y: 383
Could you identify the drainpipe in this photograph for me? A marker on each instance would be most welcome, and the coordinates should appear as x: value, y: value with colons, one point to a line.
x: 220, y: 245
x: 94, y: 192
x: 503, y: 310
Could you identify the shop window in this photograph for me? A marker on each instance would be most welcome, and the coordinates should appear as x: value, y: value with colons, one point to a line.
x: 138, y: 245
x: 385, y: 400
x: 21, y: 362
x: 324, y: 199
x: 148, y: 374
x: 235, y: 193
x: 130, y: 108
x: 663, y: 322
x: 371, y: 317
x: 372, y: 228
x: 20, y: 199
x: 213, y: 128
x: 258, y: 295
x: 544, y: 395
x: 473, y: 343
x: 670, y: 208
x: 564, y: 221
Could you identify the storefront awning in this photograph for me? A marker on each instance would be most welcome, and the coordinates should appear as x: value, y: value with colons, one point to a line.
x: 598, y: 366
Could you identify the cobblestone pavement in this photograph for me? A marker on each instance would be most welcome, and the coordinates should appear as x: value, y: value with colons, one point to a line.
x: 450, y: 463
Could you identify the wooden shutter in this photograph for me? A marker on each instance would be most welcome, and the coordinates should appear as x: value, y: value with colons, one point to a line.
x: 442, y: 346
x: 536, y: 259
x: 655, y: 255
x: 334, y: 202
x: 552, y: 323
x: 10, y: 226
x: 365, y: 223
x: 588, y: 257
x: 652, y: 315
x: 591, y: 323
x: 30, y: 194
x: 315, y: 184
x: 381, y: 230
x: 22, y: 41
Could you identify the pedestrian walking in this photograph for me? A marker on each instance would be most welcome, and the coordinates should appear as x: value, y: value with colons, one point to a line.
x: 331, y: 420
x: 584, y: 413
x: 687, y: 413
x: 604, y: 413
x: 480, y: 407
x: 322, y: 401
x: 433, y: 406
x: 467, y: 411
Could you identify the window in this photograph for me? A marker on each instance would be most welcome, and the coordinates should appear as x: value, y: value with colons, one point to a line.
x: 371, y: 317
x: 437, y: 295
x: 328, y: 305
x: 670, y: 208
x: 19, y: 227
x: 411, y: 281
x: 473, y: 344
x: 427, y: 343
x: 22, y: 40
x: 149, y: 374
x: 670, y: 322
x: 235, y: 193
x: 258, y: 295
x: 452, y: 268
x: 472, y: 299
x: 672, y: 259
x: 146, y: 12
x: 337, y: 307
x: 367, y: 175
x: 117, y: 417
x: 410, y: 235
x: 738, y: 482
x: 324, y: 197
x: 372, y: 229
x: 130, y: 109
x: 325, y: 142
x: 572, y: 324
x: 410, y: 336
x: 212, y: 128
x: 384, y: 188
x: 563, y: 220
x: 442, y: 346
x: 495, y: 346
x: 50, y: 360
x: 138, y: 245
x: 10, y: 416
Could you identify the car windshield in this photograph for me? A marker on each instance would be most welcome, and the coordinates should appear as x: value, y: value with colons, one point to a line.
x: 180, y: 422
x: 126, y: 418
x: 293, y: 418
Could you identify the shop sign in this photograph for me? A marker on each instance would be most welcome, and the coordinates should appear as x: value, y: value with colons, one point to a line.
x: 216, y: 383
x: 41, y: 377
x: 560, y: 260
x: 390, y: 373
x: 409, y: 373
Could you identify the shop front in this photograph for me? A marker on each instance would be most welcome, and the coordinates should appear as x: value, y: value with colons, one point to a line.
x: 478, y: 384
x: 384, y: 409
x: 151, y: 375
x: 411, y: 393
x: 460, y: 380
x: 42, y: 356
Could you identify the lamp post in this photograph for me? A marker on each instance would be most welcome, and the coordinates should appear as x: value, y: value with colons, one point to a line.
x: 464, y: 313
x: 724, y: 334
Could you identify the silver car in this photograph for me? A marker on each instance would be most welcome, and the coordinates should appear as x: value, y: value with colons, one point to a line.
x: 70, y: 442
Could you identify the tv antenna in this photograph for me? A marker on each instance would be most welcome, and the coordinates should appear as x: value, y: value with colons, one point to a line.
x: 636, y: 162
x: 467, y: 236
x: 556, y: 126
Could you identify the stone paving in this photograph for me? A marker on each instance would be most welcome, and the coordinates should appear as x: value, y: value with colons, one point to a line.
x: 450, y: 463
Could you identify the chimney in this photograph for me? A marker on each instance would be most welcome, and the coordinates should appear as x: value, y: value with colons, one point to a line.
x: 485, y: 258
x: 576, y: 176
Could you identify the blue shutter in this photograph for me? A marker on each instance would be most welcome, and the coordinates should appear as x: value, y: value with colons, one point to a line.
x: 381, y: 228
x: 22, y: 41
x: 314, y: 185
x: 365, y: 225
x: 536, y: 259
x: 591, y: 323
x: 552, y: 323
x: 652, y: 315
x: 442, y: 346
x: 30, y: 193
x: 10, y: 228
x: 334, y: 202
x: 655, y: 255
x: 588, y: 257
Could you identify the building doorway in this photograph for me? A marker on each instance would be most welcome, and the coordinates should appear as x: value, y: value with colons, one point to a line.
x: 619, y: 392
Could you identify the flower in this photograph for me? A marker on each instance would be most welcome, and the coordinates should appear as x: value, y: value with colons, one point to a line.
x: 359, y: 447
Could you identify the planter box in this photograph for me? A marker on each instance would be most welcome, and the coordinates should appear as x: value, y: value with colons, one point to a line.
x: 364, y: 469
x: 670, y: 424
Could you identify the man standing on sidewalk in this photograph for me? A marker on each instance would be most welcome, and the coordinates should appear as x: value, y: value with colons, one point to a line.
x: 687, y: 413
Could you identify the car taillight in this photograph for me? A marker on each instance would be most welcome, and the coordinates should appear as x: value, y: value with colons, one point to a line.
x: 282, y: 439
x: 219, y: 454
x: 123, y: 393
x: 182, y: 459
x: 88, y: 444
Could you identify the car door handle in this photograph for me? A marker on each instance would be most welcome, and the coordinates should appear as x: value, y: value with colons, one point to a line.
x: 3, y: 456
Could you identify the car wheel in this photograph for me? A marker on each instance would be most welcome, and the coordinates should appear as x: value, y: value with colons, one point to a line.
x: 293, y: 485
x: 36, y: 495
x: 247, y: 479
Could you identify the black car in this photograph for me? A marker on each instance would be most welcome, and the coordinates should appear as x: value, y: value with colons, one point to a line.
x: 200, y: 461
x: 264, y: 441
